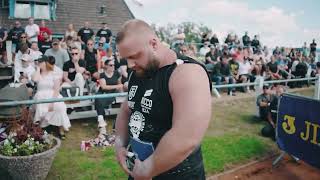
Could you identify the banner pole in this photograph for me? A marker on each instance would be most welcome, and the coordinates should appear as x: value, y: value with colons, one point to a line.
x: 317, y: 88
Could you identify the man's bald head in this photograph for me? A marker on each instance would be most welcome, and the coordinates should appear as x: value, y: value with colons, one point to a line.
x: 135, y: 28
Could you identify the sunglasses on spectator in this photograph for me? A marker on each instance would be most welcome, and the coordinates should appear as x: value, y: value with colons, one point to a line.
x: 89, y: 44
x: 23, y: 37
x: 111, y: 65
x: 74, y: 54
x: 54, y: 44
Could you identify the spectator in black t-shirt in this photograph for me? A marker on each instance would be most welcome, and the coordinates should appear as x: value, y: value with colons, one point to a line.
x: 91, y: 57
x: 14, y: 35
x: 105, y: 32
x: 273, y: 69
x: 110, y: 82
x: 214, y: 40
x: 255, y: 44
x: 222, y: 73
x: 246, y: 39
x: 46, y: 43
x: 73, y: 71
x: 85, y: 33
x: 272, y: 112
x: 3, y: 38
x: 22, y: 40
x: 211, y: 58
x: 313, y: 48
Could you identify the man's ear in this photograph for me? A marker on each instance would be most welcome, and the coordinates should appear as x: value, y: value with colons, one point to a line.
x: 154, y: 43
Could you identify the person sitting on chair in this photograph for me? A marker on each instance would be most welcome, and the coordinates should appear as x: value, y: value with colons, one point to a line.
x: 110, y: 82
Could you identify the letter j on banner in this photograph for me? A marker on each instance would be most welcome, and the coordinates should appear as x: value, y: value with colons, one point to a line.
x: 298, y: 128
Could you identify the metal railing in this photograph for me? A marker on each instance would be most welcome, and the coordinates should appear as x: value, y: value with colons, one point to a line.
x: 258, y: 86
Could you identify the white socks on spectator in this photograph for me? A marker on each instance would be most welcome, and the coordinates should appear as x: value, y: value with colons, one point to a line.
x: 101, y: 122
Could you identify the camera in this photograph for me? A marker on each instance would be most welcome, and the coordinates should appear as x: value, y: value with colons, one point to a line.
x: 130, y: 160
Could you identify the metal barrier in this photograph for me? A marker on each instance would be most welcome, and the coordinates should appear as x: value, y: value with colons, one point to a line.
x: 81, y: 98
x: 260, y: 82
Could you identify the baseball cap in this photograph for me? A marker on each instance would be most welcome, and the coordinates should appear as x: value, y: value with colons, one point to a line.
x: 26, y: 57
x: 266, y: 86
x: 55, y: 41
x: 43, y: 58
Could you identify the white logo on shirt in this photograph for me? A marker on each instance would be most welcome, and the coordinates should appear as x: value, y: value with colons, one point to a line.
x: 148, y: 93
x: 132, y: 92
x: 146, y: 105
x: 136, y: 124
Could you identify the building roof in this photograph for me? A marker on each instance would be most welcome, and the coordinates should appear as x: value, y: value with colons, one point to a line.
x: 79, y: 11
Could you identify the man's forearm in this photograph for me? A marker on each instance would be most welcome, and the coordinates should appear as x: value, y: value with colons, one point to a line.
x: 122, y: 126
x: 164, y: 159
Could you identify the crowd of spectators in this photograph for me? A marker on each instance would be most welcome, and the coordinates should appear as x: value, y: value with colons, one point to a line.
x: 242, y: 60
x: 45, y: 65
x: 86, y: 60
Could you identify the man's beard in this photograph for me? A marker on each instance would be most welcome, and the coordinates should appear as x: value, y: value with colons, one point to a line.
x: 150, y: 69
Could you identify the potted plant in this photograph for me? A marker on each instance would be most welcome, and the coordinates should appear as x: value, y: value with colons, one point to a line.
x: 28, y: 151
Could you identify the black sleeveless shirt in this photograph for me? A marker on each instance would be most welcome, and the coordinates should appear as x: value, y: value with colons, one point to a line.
x: 151, y: 105
x: 151, y: 115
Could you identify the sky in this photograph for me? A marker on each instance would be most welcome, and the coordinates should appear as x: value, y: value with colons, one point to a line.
x: 287, y: 23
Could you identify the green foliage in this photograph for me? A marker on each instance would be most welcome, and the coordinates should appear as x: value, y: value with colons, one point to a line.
x: 25, y: 138
x: 12, y: 147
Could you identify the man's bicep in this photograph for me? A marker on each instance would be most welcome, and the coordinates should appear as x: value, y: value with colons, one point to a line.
x: 191, y: 98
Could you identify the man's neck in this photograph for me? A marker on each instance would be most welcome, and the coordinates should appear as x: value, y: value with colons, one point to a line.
x: 169, y: 57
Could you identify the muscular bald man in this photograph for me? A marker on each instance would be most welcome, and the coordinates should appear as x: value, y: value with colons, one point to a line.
x: 167, y: 111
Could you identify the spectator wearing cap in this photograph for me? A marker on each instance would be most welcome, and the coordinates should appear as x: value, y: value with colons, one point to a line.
x: 48, y: 86
x: 24, y: 72
x: 24, y: 49
x: 105, y: 32
x: 44, y: 29
x: 85, y: 33
x: 61, y: 55
x: 74, y: 71
x: 263, y: 102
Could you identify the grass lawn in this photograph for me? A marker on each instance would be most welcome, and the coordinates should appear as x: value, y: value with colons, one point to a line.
x: 233, y: 138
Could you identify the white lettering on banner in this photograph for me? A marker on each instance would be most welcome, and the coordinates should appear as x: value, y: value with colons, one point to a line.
x: 132, y: 92
x: 131, y: 104
x: 136, y: 124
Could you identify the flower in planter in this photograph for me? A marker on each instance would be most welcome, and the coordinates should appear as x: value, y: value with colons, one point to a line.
x: 25, y: 138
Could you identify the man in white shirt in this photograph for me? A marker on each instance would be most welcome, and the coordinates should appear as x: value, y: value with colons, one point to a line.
x: 36, y: 52
x: 244, y: 72
x: 32, y: 31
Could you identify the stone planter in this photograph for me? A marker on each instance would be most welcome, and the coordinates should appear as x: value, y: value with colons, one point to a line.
x: 33, y: 167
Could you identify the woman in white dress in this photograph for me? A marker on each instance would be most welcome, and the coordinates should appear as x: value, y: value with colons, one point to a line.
x: 48, y: 87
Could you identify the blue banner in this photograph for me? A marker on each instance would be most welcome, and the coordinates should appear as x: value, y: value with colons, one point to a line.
x: 298, y: 128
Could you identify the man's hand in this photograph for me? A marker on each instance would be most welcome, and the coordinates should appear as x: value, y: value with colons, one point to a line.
x: 141, y: 170
x: 121, y: 154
